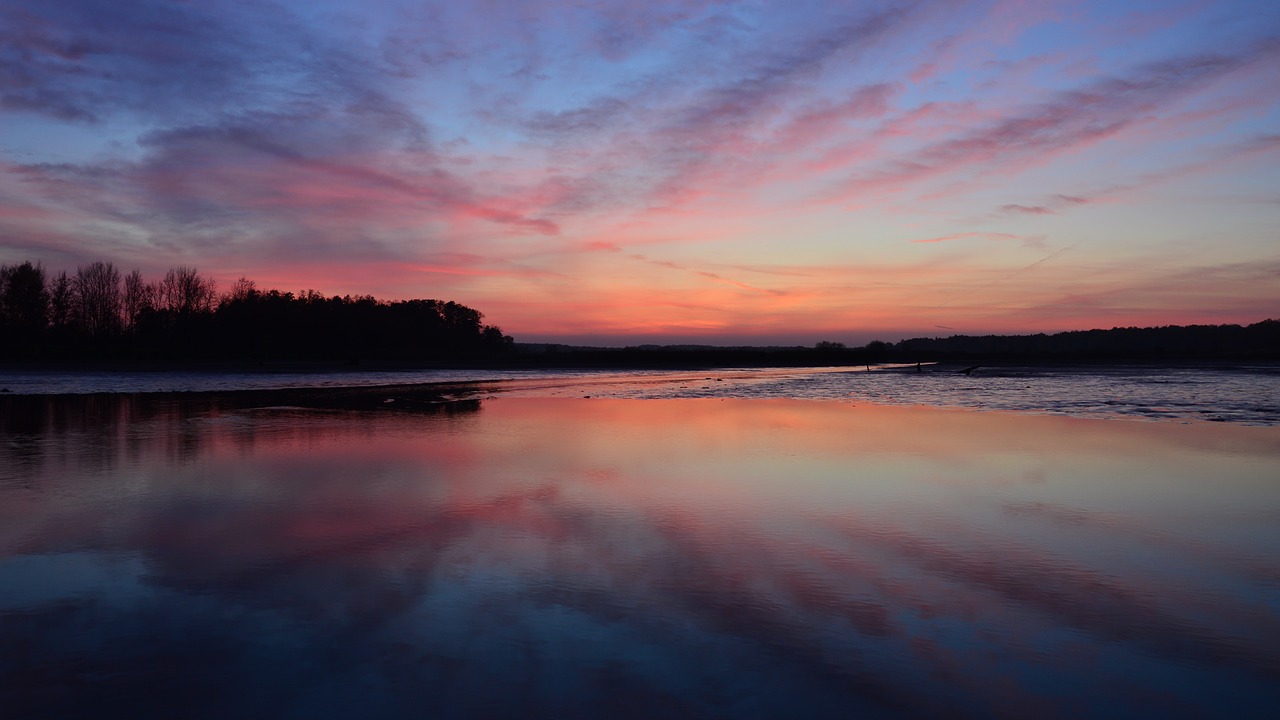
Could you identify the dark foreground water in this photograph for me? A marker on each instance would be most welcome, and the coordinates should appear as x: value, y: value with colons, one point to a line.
x: 541, y: 557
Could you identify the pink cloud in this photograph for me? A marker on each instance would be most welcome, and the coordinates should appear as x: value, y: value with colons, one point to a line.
x: 820, y: 123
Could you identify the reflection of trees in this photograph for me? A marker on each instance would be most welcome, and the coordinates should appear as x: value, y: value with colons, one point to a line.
x: 96, y: 432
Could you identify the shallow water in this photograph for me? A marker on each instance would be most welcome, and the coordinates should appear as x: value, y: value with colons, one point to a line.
x: 1246, y: 394
x: 543, y: 557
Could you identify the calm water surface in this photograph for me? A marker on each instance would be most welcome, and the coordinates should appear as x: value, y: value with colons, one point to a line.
x: 563, y: 557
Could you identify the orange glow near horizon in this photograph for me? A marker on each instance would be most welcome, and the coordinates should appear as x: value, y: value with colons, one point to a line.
x: 706, y: 308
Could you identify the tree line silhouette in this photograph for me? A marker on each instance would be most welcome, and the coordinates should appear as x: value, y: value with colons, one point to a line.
x: 1258, y: 341
x: 1171, y: 343
x: 98, y: 314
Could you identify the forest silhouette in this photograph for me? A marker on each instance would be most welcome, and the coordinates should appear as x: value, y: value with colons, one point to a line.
x: 97, y: 315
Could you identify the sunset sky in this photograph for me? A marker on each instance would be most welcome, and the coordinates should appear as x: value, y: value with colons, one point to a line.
x: 630, y: 171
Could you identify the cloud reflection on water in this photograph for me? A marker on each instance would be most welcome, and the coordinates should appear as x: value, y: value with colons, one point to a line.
x: 635, y: 558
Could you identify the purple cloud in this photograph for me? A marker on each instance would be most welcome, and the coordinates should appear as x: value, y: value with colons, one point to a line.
x: 1015, y: 209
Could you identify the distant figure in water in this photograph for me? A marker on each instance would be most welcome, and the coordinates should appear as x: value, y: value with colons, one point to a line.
x: 918, y: 368
x: 969, y: 370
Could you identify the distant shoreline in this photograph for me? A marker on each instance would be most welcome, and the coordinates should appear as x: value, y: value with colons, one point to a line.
x: 623, y: 361
x: 1259, y: 342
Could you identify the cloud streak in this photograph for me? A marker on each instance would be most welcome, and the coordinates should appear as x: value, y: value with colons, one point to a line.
x: 1074, y: 119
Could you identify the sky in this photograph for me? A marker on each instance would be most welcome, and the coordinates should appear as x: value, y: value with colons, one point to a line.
x: 633, y: 171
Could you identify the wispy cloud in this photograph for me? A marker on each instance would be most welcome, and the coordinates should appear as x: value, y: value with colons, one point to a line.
x: 1015, y: 209
x: 1075, y: 118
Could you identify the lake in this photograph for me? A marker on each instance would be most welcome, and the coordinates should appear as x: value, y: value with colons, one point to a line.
x: 527, y: 552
